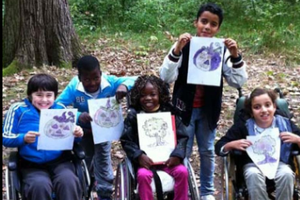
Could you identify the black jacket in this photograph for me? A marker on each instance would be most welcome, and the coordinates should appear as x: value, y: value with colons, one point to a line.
x: 130, y: 138
x: 183, y: 95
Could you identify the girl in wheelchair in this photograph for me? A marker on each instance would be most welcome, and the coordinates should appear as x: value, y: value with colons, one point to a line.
x: 148, y: 95
x: 261, y: 114
x: 42, y: 171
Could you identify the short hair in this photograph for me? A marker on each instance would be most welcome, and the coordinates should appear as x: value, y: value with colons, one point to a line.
x: 257, y: 92
x: 87, y: 63
x: 43, y: 82
x: 213, y: 8
x: 140, y: 83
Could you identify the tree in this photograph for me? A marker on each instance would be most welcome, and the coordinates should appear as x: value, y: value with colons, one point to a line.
x: 37, y: 33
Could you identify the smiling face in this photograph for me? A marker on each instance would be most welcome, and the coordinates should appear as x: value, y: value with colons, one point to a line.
x: 207, y: 24
x: 149, y: 98
x: 91, y: 80
x: 42, y: 99
x: 263, y: 110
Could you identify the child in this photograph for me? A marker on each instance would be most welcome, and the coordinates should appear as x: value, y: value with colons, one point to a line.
x: 91, y: 83
x: 201, y: 104
x: 150, y: 94
x: 42, y: 171
x: 261, y: 109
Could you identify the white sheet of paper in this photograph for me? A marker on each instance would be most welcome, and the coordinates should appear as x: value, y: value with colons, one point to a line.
x: 205, y: 61
x: 265, y: 151
x: 56, y: 129
x: 108, y: 123
x: 156, y: 135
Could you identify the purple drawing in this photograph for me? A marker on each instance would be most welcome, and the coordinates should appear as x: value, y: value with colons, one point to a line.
x: 108, y: 116
x: 208, y: 58
x: 157, y: 128
x: 60, y: 126
x: 265, y: 146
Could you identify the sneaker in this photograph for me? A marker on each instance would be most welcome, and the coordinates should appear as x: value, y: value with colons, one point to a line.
x: 208, y: 197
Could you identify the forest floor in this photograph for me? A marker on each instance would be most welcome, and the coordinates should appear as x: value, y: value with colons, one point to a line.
x: 267, y: 72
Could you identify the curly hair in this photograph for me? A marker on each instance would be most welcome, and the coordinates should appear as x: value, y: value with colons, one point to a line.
x: 257, y: 92
x: 139, y: 85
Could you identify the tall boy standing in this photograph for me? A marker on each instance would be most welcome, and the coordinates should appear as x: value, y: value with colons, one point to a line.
x: 91, y: 83
x: 201, y: 104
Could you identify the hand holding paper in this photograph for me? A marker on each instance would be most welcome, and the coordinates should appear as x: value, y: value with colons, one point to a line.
x: 145, y: 161
x: 30, y: 137
x: 173, y: 161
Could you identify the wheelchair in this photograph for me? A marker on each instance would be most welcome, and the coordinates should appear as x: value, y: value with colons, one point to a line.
x: 126, y: 183
x: 233, y: 183
x: 13, y: 176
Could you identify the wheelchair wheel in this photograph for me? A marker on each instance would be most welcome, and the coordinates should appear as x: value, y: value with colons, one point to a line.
x: 193, y: 188
x: 123, y: 184
x: 297, y: 173
x: 11, y: 191
x: 228, y: 192
x: 86, y: 181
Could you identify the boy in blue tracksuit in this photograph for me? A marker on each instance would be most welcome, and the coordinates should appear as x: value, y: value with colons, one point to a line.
x: 43, y: 171
x: 91, y: 83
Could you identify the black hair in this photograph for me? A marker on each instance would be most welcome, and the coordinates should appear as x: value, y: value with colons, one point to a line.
x: 44, y: 82
x: 213, y: 8
x: 87, y: 63
x: 257, y: 92
x: 139, y: 85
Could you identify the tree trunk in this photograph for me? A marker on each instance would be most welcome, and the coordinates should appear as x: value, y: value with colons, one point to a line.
x: 39, y: 32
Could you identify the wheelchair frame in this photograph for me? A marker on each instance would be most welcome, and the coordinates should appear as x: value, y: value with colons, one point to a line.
x: 233, y: 185
x: 125, y: 182
x: 13, y: 182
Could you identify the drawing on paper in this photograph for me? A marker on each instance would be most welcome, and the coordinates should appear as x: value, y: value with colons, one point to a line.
x: 108, y: 116
x: 60, y: 126
x: 265, y: 146
x: 208, y: 58
x: 157, y: 128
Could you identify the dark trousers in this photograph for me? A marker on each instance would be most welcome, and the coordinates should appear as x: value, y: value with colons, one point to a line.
x: 40, y: 183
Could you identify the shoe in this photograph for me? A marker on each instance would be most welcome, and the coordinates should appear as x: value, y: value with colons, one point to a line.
x: 208, y: 197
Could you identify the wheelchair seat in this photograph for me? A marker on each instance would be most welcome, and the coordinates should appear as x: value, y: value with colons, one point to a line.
x: 126, y: 183
x: 13, y: 178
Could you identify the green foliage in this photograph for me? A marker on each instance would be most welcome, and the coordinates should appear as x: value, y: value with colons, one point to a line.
x: 259, y: 27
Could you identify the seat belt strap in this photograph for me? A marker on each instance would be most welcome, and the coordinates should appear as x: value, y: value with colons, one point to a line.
x: 158, y: 186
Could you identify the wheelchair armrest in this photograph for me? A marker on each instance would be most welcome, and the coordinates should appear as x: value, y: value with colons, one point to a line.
x: 78, y: 151
x: 13, y: 160
x: 236, y: 152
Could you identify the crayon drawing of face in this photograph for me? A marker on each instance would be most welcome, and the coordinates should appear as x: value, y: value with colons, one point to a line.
x: 207, y: 59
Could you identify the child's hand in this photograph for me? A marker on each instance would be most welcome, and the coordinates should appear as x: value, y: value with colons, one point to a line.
x: 145, y: 161
x: 232, y: 47
x: 172, y: 162
x: 78, y: 132
x: 182, y: 41
x: 288, y: 137
x: 121, y: 92
x: 30, y: 137
x: 241, y: 144
x: 84, y: 118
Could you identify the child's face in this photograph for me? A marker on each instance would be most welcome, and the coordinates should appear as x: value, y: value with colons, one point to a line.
x: 42, y: 99
x: 207, y: 24
x: 149, y: 98
x: 263, y: 110
x: 91, y: 80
